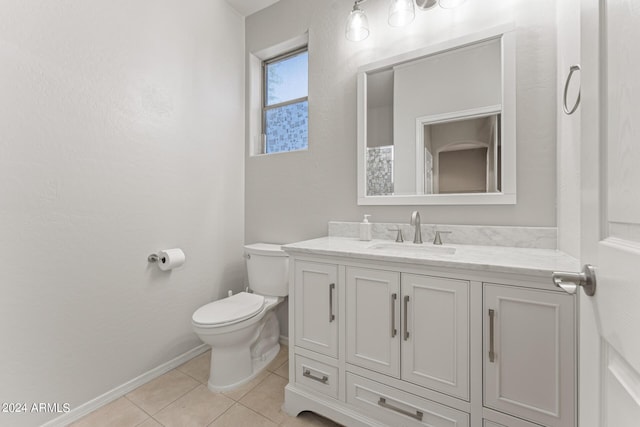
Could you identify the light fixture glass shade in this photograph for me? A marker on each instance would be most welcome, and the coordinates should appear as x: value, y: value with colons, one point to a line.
x: 357, y: 25
x: 450, y: 4
x: 401, y: 12
x: 426, y: 4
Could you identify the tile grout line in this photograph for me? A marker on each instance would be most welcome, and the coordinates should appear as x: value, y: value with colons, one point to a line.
x: 262, y: 415
x: 251, y: 389
x: 225, y: 411
x: 199, y: 383
x: 176, y: 399
x: 188, y: 374
x: 192, y: 377
x: 134, y: 404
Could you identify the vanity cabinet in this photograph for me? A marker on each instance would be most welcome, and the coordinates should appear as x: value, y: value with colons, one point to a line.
x: 315, y: 297
x: 435, y: 335
x: 409, y: 326
x: 529, y: 354
x: 373, y: 324
x: 403, y: 344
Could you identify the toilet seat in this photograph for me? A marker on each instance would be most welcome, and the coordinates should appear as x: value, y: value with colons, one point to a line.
x: 228, y: 311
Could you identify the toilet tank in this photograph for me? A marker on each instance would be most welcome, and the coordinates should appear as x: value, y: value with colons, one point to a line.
x: 268, y: 269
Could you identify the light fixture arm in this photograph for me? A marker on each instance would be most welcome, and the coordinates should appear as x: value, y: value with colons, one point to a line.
x: 357, y: 3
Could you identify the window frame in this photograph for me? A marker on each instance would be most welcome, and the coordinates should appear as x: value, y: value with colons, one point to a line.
x: 265, y: 107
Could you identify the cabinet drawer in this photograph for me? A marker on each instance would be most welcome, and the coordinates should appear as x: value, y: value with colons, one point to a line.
x: 317, y: 375
x: 497, y: 419
x: 398, y: 408
x: 513, y: 422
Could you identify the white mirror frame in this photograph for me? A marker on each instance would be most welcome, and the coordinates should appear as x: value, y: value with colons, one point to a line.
x: 508, y: 125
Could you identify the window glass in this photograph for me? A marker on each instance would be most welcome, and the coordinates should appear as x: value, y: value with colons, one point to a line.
x: 287, y: 128
x: 287, y: 79
x: 285, y: 106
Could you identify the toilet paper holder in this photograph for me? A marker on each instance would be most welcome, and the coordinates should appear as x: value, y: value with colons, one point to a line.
x: 167, y: 259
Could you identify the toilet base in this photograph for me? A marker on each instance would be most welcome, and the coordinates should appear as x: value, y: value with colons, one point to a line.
x: 238, y: 357
x: 258, y: 365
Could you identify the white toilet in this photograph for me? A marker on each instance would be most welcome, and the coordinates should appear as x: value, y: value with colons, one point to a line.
x: 242, y: 329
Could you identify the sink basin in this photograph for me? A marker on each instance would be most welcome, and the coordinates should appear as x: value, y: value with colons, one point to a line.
x: 425, y: 248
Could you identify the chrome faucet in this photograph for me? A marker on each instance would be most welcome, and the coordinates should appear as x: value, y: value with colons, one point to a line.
x: 415, y: 220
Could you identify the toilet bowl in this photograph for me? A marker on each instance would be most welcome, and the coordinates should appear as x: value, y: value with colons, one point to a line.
x: 242, y: 329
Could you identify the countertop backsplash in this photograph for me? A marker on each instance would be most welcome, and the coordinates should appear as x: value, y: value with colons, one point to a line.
x: 517, y: 237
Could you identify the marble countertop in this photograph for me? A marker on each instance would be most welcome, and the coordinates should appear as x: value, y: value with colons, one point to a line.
x: 499, y: 259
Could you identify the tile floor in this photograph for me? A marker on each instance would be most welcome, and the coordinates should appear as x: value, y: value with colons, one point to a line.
x: 180, y: 398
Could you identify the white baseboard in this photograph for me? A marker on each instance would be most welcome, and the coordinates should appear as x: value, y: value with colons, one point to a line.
x: 108, y: 397
x: 284, y: 340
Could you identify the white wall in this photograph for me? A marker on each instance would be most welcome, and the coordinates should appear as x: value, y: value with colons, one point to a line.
x: 568, y: 16
x: 121, y: 133
x: 291, y: 196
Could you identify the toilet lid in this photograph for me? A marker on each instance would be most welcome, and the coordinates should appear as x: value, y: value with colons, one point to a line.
x: 235, y: 308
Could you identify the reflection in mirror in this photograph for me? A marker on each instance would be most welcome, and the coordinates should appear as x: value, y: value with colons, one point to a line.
x: 438, y: 125
x: 380, y: 133
x: 462, y: 156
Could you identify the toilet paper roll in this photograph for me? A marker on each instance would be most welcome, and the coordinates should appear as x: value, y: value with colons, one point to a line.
x: 170, y: 259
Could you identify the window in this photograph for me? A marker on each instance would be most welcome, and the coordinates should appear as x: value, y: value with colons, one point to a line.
x: 285, y: 112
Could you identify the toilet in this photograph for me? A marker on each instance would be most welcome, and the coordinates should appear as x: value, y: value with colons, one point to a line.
x: 242, y: 329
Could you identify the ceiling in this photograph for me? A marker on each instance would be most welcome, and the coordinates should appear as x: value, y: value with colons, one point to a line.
x: 247, y: 7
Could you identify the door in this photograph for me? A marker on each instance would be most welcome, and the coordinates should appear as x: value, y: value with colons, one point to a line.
x: 529, y: 354
x: 316, y: 307
x: 373, y: 324
x: 610, y: 213
x: 435, y: 333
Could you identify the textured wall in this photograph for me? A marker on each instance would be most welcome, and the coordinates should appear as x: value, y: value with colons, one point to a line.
x: 291, y: 196
x: 121, y: 133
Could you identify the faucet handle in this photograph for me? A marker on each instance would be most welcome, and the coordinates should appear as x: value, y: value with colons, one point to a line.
x: 437, y: 240
x: 399, y: 238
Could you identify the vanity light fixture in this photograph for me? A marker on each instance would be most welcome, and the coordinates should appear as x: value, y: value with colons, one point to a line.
x: 357, y: 24
x: 401, y: 13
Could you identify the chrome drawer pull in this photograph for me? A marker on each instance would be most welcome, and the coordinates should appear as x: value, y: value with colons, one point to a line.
x: 418, y: 415
x: 394, y: 331
x: 492, y: 354
x: 332, y: 316
x: 307, y: 373
x: 406, y: 317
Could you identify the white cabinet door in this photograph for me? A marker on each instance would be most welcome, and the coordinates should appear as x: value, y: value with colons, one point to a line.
x: 435, y: 333
x: 316, y: 307
x: 529, y: 354
x: 373, y: 321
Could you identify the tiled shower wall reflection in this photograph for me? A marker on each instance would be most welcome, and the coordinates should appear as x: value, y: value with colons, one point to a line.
x: 380, y: 170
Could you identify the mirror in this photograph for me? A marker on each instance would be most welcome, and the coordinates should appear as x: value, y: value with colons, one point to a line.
x: 437, y: 126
